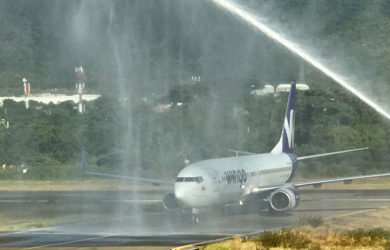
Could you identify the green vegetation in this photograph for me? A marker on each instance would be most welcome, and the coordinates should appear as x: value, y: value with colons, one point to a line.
x: 286, y: 239
x: 343, y: 231
x: 144, y: 55
x: 96, y: 184
x: 47, y: 139
x: 294, y: 239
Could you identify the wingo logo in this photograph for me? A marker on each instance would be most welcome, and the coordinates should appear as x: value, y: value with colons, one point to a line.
x: 236, y: 176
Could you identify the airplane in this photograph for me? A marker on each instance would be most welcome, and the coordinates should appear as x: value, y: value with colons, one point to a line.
x: 236, y: 180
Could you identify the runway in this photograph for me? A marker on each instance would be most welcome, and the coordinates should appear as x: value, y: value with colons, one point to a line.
x: 122, y: 219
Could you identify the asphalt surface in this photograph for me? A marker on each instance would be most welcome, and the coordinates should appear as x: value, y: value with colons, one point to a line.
x: 128, y: 219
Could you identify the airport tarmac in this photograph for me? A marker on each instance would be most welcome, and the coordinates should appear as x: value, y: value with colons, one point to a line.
x: 122, y: 219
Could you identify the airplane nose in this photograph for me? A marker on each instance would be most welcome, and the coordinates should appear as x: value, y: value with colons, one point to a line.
x: 180, y: 192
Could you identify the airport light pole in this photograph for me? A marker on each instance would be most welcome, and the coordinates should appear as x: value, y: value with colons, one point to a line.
x: 80, y: 86
x: 27, y: 87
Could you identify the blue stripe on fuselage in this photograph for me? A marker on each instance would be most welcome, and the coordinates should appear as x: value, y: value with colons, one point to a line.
x: 294, y: 161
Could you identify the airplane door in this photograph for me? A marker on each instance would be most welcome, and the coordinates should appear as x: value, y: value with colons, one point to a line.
x: 216, y: 184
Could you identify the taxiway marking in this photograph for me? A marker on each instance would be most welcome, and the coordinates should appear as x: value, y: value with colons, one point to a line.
x: 68, y: 242
x: 61, y: 226
x: 355, y: 212
x: 348, y: 199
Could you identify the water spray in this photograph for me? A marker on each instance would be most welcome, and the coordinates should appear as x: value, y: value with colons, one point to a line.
x: 297, y: 49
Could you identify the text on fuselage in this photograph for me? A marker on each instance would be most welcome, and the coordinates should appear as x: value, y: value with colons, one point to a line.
x: 235, y: 176
x: 240, y: 176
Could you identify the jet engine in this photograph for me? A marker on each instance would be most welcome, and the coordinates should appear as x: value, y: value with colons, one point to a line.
x: 170, y: 202
x: 284, y: 199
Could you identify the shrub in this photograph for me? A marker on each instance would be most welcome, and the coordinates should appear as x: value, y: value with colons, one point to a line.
x: 287, y: 238
x: 361, y: 238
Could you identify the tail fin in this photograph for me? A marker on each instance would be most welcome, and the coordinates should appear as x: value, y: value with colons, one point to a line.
x: 286, y: 142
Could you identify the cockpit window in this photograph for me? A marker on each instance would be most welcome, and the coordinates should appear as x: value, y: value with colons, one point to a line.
x: 198, y: 179
x: 179, y: 179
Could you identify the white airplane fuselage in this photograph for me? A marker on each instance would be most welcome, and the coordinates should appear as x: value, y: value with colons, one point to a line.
x: 225, y: 180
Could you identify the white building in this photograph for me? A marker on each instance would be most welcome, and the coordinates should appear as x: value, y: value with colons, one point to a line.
x: 284, y: 87
x: 267, y: 90
x: 50, y: 98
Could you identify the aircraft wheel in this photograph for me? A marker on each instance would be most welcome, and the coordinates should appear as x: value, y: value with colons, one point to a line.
x: 273, y: 212
x: 195, y: 219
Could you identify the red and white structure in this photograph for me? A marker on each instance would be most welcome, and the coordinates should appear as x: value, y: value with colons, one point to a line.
x: 26, y: 86
x: 80, y: 86
x: 47, y: 98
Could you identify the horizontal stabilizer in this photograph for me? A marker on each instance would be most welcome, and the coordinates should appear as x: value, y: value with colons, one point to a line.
x: 241, y: 152
x: 331, y: 153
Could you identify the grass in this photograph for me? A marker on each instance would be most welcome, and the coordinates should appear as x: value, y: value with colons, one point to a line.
x: 339, y: 232
x: 287, y: 238
x: 296, y: 239
x: 24, y: 223
x: 91, y: 184
x: 113, y: 247
x: 236, y: 243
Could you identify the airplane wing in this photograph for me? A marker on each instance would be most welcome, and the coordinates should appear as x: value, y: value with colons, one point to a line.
x: 331, y: 153
x: 346, y: 180
x: 260, y: 190
x: 129, y: 178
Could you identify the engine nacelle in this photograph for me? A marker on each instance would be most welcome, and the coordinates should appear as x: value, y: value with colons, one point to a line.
x: 284, y: 199
x: 170, y: 202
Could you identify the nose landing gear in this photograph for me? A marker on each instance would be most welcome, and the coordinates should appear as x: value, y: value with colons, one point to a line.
x: 195, y: 216
x: 190, y: 215
x: 195, y: 219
